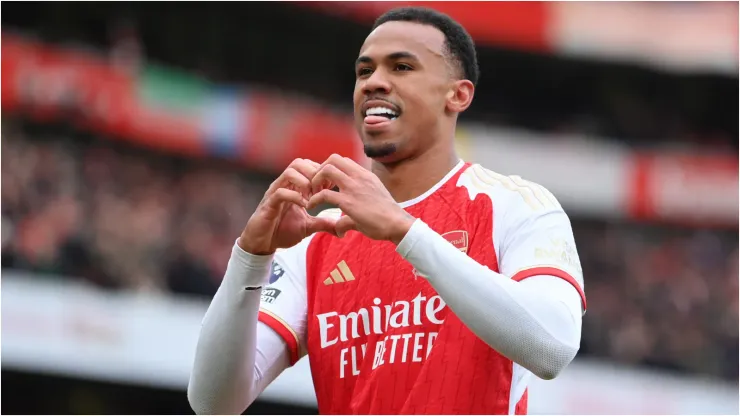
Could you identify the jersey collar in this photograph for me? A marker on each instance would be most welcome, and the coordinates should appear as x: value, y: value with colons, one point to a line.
x: 434, y: 188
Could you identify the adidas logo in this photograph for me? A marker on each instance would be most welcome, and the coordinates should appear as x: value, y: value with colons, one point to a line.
x: 340, y: 275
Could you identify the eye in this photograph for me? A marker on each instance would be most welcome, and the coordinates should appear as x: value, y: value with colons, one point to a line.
x: 403, y: 67
x: 365, y: 71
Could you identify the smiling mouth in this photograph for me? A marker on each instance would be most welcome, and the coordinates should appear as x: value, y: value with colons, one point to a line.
x: 380, y: 115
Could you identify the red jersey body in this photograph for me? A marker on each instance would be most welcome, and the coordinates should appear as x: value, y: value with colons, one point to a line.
x: 380, y: 340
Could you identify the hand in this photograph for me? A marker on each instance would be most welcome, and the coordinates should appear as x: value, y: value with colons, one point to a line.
x: 281, y: 220
x: 368, y: 207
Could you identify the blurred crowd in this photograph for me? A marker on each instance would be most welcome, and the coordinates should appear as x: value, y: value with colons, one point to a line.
x: 118, y: 217
x: 661, y: 296
x: 75, y: 206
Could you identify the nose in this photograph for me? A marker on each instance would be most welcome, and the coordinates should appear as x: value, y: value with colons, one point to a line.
x: 377, y: 83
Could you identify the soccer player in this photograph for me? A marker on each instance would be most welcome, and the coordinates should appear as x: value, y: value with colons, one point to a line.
x: 436, y: 286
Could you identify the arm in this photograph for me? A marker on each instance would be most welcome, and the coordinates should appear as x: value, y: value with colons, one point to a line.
x: 237, y: 356
x: 534, y: 322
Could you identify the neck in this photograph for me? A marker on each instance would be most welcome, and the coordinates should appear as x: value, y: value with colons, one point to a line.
x: 411, y: 177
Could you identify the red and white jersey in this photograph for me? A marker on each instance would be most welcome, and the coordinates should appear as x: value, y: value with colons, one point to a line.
x: 379, y: 338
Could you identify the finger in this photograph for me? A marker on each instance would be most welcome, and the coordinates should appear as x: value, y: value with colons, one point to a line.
x: 326, y: 184
x: 329, y: 175
x: 312, y: 163
x: 305, y: 167
x: 345, y: 164
x: 351, y: 164
x: 325, y: 196
x: 282, y: 195
x: 299, y: 181
x: 322, y: 224
x: 291, y: 177
x: 345, y: 224
x: 333, y: 160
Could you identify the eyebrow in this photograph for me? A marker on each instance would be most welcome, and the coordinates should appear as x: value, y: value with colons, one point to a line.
x: 395, y: 56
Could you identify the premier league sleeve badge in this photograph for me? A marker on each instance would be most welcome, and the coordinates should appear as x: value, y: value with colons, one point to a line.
x: 277, y: 272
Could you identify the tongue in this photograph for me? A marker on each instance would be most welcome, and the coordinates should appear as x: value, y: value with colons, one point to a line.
x: 375, y: 119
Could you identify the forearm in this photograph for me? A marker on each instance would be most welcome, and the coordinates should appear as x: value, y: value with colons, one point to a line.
x: 525, y: 321
x: 225, y: 379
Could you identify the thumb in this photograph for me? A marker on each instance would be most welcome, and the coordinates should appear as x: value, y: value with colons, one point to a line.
x: 321, y: 224
x: 345, y: 224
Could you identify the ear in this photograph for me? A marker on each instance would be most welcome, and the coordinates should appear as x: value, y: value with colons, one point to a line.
x: 460, y: 96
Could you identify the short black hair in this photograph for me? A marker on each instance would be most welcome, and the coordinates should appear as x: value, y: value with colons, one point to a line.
x: 460, y: 46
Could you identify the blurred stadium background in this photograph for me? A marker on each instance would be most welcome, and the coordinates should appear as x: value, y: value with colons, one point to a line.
x: 137, y: 138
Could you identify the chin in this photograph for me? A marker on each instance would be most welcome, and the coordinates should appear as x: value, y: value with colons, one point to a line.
x: 384, y: 152
x: 381, y: 144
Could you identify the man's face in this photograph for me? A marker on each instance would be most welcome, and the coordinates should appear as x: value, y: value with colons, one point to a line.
x: 401, y: 89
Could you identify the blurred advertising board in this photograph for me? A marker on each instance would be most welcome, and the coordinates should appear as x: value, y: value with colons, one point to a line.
x: 178, y: 112
x: 675, y: 36
x: 692, y: 188
x: 59, y: 326
x: 168, y: 109
x: 603, y: 178
x: 514, y: 24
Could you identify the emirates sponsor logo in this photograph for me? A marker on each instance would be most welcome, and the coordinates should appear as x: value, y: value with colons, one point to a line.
x: 381, y: 319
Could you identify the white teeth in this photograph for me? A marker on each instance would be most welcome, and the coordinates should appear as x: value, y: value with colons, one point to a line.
x: 376, y: 111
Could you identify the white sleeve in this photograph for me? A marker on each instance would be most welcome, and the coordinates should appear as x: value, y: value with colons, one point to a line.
x: 534, y: 322
x: 284, y: 301
x: 237, y: 356
x: 531, y: 242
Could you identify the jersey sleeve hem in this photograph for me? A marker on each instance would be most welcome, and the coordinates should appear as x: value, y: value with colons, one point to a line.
x: 551, y: 271
x: 284, y: 330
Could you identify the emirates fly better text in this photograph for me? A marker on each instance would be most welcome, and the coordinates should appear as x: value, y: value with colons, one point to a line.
x: 403, y: 327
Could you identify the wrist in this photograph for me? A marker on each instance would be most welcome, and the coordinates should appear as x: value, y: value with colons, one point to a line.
x: 247, y: 270
x: 402, y: 227
x: 243, y: 244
